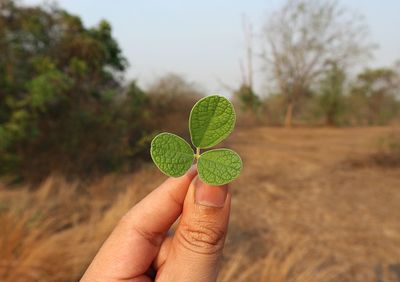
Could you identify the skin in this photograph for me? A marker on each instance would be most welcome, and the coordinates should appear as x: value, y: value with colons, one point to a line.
x: 140, y: 250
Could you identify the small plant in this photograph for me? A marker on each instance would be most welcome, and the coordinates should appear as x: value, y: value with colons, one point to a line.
x: 211, y: 120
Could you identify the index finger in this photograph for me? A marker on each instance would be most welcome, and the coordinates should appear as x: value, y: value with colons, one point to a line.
x: 135, y: 242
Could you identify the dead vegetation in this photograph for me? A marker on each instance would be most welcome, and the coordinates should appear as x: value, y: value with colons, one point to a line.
x: 300, y: 213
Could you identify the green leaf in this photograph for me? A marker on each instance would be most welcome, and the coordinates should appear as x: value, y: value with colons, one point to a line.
x: 171, y: 154
x: 219, y: 167
x: 212, y: 119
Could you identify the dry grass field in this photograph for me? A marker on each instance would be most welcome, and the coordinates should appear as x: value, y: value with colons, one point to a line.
x: 311, y: 205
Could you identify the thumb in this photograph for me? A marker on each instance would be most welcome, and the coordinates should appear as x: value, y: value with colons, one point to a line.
x: 198, y: 242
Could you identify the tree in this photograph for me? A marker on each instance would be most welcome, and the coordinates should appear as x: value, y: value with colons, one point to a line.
x: 374, y: 96
x: 58, y: 80
x: 172, y: 97
x: 303, y: 37
x: 332, y: 94
x: 248, y: 100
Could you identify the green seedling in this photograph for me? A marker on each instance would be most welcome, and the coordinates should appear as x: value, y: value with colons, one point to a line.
x: 211, y: 120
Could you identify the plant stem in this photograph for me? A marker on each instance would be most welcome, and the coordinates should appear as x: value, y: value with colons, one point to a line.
x: 197, y: 155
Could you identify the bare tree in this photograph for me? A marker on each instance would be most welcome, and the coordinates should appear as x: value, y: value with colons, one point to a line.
x: 248, y: 36
x: 303, y: 37
x: 245, y: 95
x: 246, y: 69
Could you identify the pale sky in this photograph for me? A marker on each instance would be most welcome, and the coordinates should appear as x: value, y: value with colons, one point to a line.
x: 203, y: 40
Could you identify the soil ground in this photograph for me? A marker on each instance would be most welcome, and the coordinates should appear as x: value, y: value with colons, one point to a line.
x: 321, y: 186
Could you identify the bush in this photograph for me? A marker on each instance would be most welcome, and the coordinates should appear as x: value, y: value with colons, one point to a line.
x: 388, y: 154
x: 171, y: 98
x: 372, y: 99
x: 62, y: 104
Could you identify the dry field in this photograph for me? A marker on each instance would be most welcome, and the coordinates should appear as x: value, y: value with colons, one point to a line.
x: 311, y: 205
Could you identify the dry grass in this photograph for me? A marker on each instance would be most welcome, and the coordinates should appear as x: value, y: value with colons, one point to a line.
x: 301, y: 212
x: 52, y: 234
x: 292, y: 260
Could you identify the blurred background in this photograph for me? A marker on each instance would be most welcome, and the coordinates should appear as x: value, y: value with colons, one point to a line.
x: 85, y: 86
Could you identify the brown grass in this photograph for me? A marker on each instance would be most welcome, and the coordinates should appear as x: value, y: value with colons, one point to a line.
x: 52, y: 234
x: 301, y: 212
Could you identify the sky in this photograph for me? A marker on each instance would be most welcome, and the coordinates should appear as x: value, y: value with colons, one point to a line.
x: 204, y: 41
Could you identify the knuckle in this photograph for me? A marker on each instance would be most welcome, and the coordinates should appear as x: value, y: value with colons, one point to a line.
x: 201, y: 237
x: 153, y: 238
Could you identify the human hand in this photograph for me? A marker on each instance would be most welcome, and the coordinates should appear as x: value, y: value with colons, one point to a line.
x: 139, y: 249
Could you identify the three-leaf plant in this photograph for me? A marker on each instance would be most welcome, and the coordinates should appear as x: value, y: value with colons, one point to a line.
x: 211, y: 120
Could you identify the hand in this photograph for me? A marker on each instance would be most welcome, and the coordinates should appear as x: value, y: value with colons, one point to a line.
x: 139, y: 249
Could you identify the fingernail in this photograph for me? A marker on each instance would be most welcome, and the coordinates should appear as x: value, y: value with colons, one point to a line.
x: 208, y: 195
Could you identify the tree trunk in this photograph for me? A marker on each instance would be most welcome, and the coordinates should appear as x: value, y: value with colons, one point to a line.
x: 289, y: 114
x: 330, y: 119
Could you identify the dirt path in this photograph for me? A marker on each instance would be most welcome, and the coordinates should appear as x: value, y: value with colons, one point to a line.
x: 303, y: 184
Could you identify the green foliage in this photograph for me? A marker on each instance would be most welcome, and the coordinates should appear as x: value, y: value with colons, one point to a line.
x: 332, y: 91
x: 137, y: 98
x: 62, y: 105
x: 172, y: 154
x: 46, y: 88
x: 211, y: 120
x: 219, y: 167
x: 248, y: 99
x: 373, y: 96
